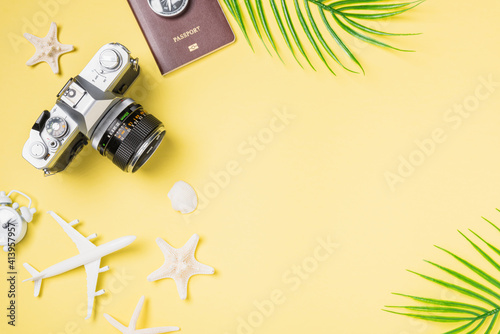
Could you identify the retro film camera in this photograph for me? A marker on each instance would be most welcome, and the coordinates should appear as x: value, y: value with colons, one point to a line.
x: 92, y: 107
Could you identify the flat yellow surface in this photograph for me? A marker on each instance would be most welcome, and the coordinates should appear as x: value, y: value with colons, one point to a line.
x: 273, y: 191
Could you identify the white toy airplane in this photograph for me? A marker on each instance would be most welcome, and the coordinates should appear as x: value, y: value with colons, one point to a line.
x: 90, y: 257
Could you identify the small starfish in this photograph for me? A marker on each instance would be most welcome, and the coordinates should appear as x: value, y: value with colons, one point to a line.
x: 180, y: 264
x: 131, y: 329
x: 48, y: 49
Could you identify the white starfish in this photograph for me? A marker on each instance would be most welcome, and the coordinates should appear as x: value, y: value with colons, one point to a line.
x: 48, y: 49
x: 180, y: 264
x: 131, y: 329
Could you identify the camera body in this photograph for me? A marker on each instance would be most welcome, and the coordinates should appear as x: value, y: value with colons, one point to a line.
x: 91, y: 107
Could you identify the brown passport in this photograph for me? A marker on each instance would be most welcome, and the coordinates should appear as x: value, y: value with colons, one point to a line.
x: 177, y: 41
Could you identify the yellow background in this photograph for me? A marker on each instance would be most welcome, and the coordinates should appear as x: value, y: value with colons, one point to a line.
x: 322, y: 176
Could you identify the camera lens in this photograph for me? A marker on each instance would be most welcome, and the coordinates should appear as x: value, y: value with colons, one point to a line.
x: 128, y: 135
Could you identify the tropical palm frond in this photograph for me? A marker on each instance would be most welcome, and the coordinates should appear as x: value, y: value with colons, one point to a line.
x: 347, y: 15
x: 481, y: 290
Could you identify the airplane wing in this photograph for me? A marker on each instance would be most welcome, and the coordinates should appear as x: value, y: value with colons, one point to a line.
x: 82, y: 243
x: 92, y: 270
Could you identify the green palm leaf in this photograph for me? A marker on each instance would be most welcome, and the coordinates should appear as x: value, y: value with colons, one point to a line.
x: 343, y: 13
x: 477, y: 284
x: 277, y: 16
x: 263, y: 21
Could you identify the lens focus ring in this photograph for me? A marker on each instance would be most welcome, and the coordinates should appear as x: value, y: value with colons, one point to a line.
x: 133, y: 141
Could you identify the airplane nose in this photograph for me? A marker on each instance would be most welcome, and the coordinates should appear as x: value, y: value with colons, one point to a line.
x: 129, y: 239
x: 116, y: 244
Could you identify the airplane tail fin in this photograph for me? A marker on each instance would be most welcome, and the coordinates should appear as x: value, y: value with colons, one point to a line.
x: 37, y: 280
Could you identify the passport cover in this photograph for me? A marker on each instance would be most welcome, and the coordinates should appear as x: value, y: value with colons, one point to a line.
x: 177, y: 41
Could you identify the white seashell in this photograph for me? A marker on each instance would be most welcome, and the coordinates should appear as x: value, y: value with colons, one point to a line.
x: 183, y: 197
